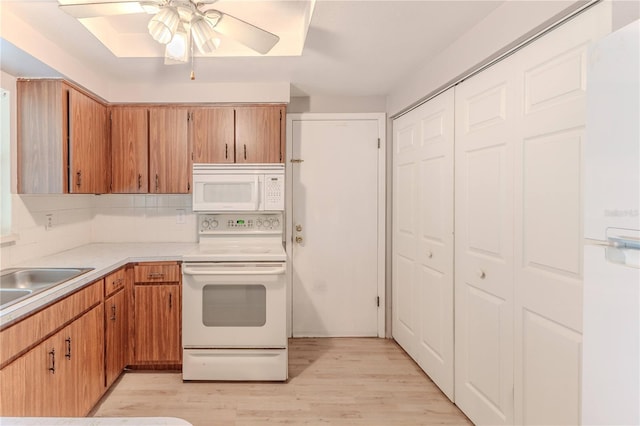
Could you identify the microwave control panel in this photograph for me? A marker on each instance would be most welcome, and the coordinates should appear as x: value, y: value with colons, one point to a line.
x: 274, y: 192
x: 239, y: 223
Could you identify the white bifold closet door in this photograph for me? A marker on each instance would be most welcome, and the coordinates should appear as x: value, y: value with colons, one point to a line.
x: 548, y: 220
x: 423, y: 237
x: 486, y: 108
x: 519, y: 134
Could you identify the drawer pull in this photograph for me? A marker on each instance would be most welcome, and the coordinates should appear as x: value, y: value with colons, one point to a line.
x: 481, y: 274
x: 118, y: 282
x: 155, y: 275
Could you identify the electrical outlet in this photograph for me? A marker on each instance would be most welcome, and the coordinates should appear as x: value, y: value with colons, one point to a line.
x: 180, y: 217
x: 48, y: 221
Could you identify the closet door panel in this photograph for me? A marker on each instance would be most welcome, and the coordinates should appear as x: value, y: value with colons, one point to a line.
x: 423, y: 237
x: 486, y: 106
x: 405, y: 233
x: 548, y: 221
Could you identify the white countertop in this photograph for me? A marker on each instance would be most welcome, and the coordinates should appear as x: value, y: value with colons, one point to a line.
x: 93, y: 421
x: 104, y: 258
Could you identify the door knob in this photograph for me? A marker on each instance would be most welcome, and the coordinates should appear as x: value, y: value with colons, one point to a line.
x: 298, y: 228
x: 299, y: 239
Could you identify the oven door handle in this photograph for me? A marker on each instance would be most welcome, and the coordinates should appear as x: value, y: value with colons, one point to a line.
x: 209, y: 270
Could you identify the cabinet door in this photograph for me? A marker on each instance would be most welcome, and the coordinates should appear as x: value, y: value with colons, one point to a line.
x: 85, y: 354
x: 29, y: 385
x: 157, y: 324
x: 115, y: 316
x: 129, y: 150
x: 213, y: 135
x: 41, y: 137
x: 88, y: 145
x: 259, y: 134
x: 169, y: 153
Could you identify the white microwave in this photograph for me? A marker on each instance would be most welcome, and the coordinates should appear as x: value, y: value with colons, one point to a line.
x: 238, y: 187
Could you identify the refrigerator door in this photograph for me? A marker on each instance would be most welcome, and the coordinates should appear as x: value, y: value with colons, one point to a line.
x: 611, y: 340
x: 612, y: 145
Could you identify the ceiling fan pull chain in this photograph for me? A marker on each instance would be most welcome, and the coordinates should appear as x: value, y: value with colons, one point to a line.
x: 193, y: 74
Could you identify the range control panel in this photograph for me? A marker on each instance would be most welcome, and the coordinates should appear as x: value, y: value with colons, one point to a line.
x: 239, y: 223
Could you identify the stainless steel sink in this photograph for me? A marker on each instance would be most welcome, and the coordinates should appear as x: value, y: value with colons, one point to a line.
x: 19, y: 283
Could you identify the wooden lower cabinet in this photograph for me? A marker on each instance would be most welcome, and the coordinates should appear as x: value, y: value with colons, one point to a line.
x: 59, y: 377
x: 157, y: 324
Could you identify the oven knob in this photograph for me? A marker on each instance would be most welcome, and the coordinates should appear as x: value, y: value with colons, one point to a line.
x: 213, y: 223
x: 276, y: 223
x: 267, y: 223
x: 259, y: 223
x: 205, y: 224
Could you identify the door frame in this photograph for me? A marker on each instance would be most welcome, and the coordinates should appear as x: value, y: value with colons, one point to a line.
x: 380, y: 118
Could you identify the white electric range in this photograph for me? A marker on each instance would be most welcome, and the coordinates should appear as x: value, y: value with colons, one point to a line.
x: 234, y: 299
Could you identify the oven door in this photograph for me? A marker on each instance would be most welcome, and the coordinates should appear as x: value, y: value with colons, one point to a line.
x: 234, y: 305
x: 227, y: 192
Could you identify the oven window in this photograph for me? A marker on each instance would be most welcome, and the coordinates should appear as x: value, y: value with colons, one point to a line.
x: 234, y: 305
x: 228, y: 192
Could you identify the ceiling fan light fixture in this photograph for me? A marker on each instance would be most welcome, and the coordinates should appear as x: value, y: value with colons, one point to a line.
x: 177, y: 49
x: 164, y: 24
x: 204, y: 36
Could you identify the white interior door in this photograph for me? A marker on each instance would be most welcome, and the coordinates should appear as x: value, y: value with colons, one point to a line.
x: 548, y: 222
x: 423, y: 237
x: 336, y: 262
x: 485, y: 128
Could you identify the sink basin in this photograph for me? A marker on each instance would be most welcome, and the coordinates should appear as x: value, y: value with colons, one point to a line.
x: 19, y: 283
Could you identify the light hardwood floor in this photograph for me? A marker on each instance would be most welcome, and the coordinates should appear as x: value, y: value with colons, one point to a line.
x: 332, y: 381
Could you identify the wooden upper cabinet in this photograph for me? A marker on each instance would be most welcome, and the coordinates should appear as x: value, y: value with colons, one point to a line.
x: 129, y: 149
x: 89, y: 159
x: 259, y: 134
x: 62, y: 139
x: 169, y: 151
x: 213, y: 135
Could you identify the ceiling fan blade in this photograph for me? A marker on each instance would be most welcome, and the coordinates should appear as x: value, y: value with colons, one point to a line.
x: 93, y: 10
x: 251, y: 36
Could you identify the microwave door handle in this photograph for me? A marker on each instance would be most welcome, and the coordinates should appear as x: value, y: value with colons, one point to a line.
x: 190, y: 270
x: 257, y: 191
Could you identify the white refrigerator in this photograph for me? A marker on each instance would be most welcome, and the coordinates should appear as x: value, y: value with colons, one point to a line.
x: 611, y: 313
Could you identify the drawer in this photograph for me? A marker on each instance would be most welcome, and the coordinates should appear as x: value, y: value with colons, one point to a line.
x: 30, y: 331
x: 114, y: 282
x: 157, y: 272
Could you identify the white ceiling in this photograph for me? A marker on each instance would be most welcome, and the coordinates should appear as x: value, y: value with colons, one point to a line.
x: 352, y: 48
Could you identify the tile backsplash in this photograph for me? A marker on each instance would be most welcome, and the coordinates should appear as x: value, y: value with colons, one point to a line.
x: 46, y: 224
x: 143, y: 218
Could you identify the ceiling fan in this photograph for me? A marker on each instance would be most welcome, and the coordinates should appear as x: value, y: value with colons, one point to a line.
x: 180, y: 24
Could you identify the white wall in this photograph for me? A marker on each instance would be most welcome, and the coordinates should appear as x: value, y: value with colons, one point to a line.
x: 337, y: 104
x: 501, y: 29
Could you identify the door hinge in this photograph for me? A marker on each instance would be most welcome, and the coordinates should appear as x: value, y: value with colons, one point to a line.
x: 378, y: 143
x: 378, y: 301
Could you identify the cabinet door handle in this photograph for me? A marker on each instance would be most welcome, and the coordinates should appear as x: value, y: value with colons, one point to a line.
x: 52, y: 357
x: 68, y: 354
x: 157, y: 184
x: 170, y: 300
x: 226, y: 151
x: 113, y: 312
x: 79, y: 178
x: 139, y: 181
x: 245, y: 151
